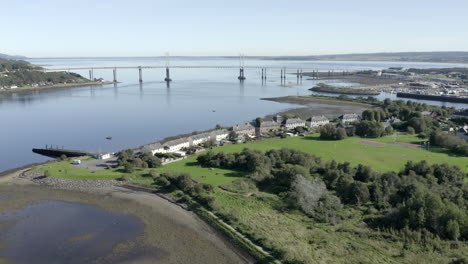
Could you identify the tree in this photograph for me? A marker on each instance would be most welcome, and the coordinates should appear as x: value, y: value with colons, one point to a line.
x: 330, y: 132
x: 307, y: 193
x: 232, y: 135
x: 129, y: 168
x: 410, y: 130
x: 453, y: 229
x: 154, y: 174
x: 389, y: 130
x: 258, y: 121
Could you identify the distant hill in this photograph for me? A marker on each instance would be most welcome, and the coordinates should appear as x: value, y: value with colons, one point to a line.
x: 437, y: 56
x: 11, y: 57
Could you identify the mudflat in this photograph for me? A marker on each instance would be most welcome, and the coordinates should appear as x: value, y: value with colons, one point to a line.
x: 318, y: 106
x: 169, y: 233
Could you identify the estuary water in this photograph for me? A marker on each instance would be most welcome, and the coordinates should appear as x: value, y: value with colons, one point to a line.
x: 134, y: 113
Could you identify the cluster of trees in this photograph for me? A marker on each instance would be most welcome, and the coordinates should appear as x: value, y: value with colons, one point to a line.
x: 21, y: 73
x: 371, y: 129
x: 22, y: 78
x: 202, y: 192
x: 375, y: 114
x: 331, y: 132
x: 453, y: 143
x: 421, y: 198
x: 14, y: 65
x: 130, y: 161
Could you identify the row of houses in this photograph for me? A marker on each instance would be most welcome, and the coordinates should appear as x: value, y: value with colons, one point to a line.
x: 278, y: 123
x: 281, y: 123
x: 176, y: 145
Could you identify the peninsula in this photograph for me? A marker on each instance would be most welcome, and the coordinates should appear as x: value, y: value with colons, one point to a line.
x: 19, y: 75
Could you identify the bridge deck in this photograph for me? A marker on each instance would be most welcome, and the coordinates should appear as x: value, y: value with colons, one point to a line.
x: 193, y: 67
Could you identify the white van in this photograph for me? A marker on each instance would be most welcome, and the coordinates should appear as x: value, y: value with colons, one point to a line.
x: 76, y: 162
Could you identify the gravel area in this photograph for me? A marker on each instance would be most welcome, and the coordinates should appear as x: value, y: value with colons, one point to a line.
x: 69, y: 184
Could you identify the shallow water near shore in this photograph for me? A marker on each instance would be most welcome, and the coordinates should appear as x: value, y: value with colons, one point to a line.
x: 64, y: 232
x: 44, y: 225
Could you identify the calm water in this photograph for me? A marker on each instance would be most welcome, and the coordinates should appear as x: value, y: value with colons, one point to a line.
x: 62, y: 232
x: 135, y: 114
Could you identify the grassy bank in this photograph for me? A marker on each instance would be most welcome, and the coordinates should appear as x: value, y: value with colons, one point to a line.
x: 290, y: 235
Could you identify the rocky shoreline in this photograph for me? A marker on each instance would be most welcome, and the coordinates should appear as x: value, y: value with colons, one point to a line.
x: 68, y: 184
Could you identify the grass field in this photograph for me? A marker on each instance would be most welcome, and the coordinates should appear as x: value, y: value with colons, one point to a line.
x: 387, y: 158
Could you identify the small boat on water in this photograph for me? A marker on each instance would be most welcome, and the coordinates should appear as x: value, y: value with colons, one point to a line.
x: 108, y: 138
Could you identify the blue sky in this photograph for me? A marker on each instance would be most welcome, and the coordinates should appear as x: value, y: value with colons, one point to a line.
x: 65, y: 28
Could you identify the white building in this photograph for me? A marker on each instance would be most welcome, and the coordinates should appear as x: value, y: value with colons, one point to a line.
x: 176, y: 144
x: 198, y: 139
x: 293, y: 123
x: 219, y: 134
x: 317, y: 121
x: 153, y: 148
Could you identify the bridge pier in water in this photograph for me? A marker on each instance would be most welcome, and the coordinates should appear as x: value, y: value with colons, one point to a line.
x: 140, y: 74
x: 168, y: 78
x: 241, y: 74
x: 115, y: 75
x: 91, y: 75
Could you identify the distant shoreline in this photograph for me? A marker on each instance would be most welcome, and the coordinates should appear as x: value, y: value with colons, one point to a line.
x: 52, y: 87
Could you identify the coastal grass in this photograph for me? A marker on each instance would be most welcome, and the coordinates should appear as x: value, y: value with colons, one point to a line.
x: 295, y: 238
x: 63, y: 169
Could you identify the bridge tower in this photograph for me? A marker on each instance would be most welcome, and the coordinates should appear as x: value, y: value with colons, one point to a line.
x: 91, y: 74
x: 115, y: 74
x: 241, y: 66
x: 168, y: 77
x: 140, y: 74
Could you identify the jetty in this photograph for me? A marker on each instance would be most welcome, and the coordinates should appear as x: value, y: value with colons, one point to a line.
x: 57, y: 152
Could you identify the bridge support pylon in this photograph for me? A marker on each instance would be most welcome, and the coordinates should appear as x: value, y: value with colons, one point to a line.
x: 168, y: 78
x: 115, y: 75
x: 91, y: 75
x: 140, y: 74
x: 241, y: 74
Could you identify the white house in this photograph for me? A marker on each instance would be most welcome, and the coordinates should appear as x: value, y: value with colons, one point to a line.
x: 176, y: 144
x: 348, y: 118
x: 153, y: 148
x: 219, y: 134
x: 198, y: 139
x: 317, y: 121
x: 293, y: 123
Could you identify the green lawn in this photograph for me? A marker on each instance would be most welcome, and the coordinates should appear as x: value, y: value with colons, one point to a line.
x: 386, y: 158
